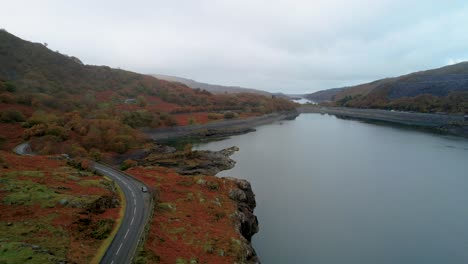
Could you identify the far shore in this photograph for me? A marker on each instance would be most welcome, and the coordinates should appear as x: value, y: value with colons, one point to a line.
x: 218, y: 129
x: 448, y: 123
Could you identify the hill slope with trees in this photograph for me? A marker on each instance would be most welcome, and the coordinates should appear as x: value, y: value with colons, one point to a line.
x: 438, y: 90
x: 65, y: 106
x: 212, y: 88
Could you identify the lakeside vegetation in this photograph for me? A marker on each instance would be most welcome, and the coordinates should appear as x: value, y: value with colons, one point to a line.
x: 455, y: 102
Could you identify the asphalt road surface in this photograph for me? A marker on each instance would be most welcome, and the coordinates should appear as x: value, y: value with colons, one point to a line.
x: 123, y: 247
x: 23, y: 149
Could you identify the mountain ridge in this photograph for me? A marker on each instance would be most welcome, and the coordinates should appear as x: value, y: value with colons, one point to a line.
x: 212, y: 88
x: 442, y: 89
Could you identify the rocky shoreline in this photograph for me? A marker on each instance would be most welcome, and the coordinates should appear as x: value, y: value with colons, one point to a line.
x: 218, y: 129
x: 247, y: 222
x: 194, y: 163
x: 443, y: 123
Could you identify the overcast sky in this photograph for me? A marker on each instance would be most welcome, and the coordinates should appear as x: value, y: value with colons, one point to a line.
x: 288, y: 46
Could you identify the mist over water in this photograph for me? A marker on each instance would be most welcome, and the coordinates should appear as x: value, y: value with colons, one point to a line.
x: 340, y: 191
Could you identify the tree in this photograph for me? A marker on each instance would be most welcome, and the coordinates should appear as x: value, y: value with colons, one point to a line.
x: 230, y: 115
x: 141, y: 101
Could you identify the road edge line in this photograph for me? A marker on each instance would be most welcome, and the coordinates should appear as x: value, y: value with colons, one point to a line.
x: 105, y: 245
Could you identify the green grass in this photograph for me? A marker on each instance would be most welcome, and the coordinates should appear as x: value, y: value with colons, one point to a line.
x: 103, y: 229
x: 167, y: 207
x: 184, y: 261
x: 12, y: 253
x: 38, y: 232
x: 29, y: 193
x: 92, y: 183
x: 37, y: 240
x: 176, y: 230
x: 32, y: 174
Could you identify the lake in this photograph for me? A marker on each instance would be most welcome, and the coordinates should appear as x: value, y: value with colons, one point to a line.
x: 331, y: 191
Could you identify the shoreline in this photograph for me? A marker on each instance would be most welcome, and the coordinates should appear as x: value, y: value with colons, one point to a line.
x: 218, y: 129
x: 453, y: 124
x: 246, y: 222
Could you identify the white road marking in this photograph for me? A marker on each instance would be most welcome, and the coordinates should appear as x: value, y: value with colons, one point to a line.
x: 118, y: 178
x: 118, y: 249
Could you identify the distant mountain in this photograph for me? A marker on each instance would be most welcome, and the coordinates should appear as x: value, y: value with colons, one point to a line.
x: 442, y: 89
x: 213, y: 88
x: 33, y: 69
x: 324, y: 95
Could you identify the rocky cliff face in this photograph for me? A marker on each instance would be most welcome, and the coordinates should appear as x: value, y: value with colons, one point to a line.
x: 247, y: 223
x: 192, y: 163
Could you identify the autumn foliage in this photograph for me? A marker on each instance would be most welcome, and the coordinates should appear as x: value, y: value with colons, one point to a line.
x: 65, y: 106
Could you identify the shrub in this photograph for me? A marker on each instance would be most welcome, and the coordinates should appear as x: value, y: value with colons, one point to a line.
x: 141, y: 118
x: 10, y: 87
x: 95, y: 154
x: 7, y: 98
x: 58, y: 131
x: 2, y: 141
x: 230, y: 115
x: 215, y: 116
x: 129, y: 163
x: 41, y: 117
x: 192, y: 121
x: 141, y: 101
x: 77, y: 151
x: 102, y: 229
x: 170, y: 121
x: 11, y: 116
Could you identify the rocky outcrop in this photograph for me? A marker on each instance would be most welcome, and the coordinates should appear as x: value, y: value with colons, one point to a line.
x: 247, y: 222
x: 210, y: 163
x: 193, y: 162
x: 102, y: 203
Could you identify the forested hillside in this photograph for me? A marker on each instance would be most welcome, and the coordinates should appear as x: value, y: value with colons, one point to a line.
x: 64, y: 106
x: 439, y: 90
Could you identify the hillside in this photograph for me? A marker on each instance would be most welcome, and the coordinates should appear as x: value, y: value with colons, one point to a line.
x: 212, y: 88
x: 65, y: 106
x: 324, y: 95
x: 54, y: 211
x: 438, y: 90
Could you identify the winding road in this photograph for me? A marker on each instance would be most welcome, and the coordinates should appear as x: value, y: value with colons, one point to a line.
x: 123, y: 246
x: 125, y: 242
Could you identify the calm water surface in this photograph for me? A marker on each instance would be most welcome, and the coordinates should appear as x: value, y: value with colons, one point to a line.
x: 335, y: 191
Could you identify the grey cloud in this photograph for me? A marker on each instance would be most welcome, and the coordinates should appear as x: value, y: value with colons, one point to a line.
x: 288, y: 46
